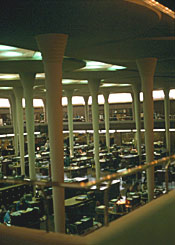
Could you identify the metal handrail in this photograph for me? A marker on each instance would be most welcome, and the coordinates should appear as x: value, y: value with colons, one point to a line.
x: 89, y: 184
x: 165, y: 160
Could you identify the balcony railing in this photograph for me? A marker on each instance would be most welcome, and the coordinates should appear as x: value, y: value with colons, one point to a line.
x: 166, y: 161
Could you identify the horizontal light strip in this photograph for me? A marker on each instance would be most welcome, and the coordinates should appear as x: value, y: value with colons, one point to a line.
x: 100, y: 131
x: 12, y: 135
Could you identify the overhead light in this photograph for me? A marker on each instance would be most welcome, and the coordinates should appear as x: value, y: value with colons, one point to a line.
x: 159, y: 130
x: 9, y: 77
x: 6, y: 88
x: 114, y: 85
x: 37, y: 56
x: 6, y: 48
x: 108, y: 85
x: 40, y: 76
x: 116, y: 67
x: 10, y: 54
x: 124, y: 131
x: 100, y: 66
x: 70, y: 81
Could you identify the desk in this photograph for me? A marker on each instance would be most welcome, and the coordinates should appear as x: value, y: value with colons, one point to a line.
x: 75, y: 171
x: 76, y: 200
x: 79, y: 206
x: 130, y: 159
x: 104, y: 163
x: 11, y: 193
x: 114, y: 190
x: 26, y: 218
x: 81, y: 160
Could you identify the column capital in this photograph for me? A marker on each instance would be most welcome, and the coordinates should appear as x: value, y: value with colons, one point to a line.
x: 146, y: 66
x: 27, y: 79
x: 52, y: 46
x: 94, y: 85
x: 69, y: 93
x: 166, y: 91
x: 86, y: 98
x: 18, y: 91
x: 136, y: 88
x: 106, y: 95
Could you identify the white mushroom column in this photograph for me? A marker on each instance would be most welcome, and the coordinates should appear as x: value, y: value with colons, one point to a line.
x: 93, y: 87
x: 86, y: 107
x: 136, y: 96
x: 86, y: 110
x: 133, y: 107
x: 28, y: 80
x: 106, y: 112
x: 167, y: 119
x: 14, y: 119
x: 20, y: 123
x: 52, y: 47
x: 45, y: 109
x: 146, y: 69
x: 69, y: 94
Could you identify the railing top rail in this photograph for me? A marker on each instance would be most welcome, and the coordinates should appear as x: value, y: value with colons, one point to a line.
x: 89, y: 184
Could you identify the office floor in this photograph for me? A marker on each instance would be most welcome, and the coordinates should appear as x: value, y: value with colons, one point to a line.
x: 44, y: 225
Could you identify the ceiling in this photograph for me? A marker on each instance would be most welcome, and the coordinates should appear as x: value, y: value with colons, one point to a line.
x: 110, y: 31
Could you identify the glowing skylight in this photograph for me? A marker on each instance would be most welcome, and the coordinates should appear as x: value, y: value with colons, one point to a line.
x: 108, y: 85
x: 120, y: 98
x: 100, y: 66
x: 64, y: 81
x: 113, y: 85
x: 4, y: 103
x: 6, y: 88
x: 10, y: 54
x: 172, y: 94
x: 36, y: 103
x: 70, y: 81
x: 37, y: 56
x: 100, y: 100
x: 76, y: 100
x: 5, y: 48
x: 157, y: 95
x: 116, y: 67
x: 9, y: 77
x: 64, y: 101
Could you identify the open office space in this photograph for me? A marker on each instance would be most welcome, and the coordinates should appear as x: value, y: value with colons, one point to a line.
x: 55, y: 49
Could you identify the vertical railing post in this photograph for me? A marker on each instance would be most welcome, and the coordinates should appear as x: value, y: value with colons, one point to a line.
x: 106, y: 203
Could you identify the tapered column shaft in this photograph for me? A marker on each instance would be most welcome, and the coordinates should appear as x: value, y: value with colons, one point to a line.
x: 69, y: 94
x: 167, y: 120
x: 146, y: 69
x: 14, y: 121
x: 27, y: 80
x: 136, y: 96
x: 86, y: 110
x: 52, y: 47
x: 19, y: 109
x: 93, y: 87
x: 106, y: 112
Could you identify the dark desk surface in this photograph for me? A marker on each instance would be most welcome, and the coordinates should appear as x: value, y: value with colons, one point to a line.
x: 130, y: 156
x: 76, y: 200
x: 74, y: 168
x: 80, y: 159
